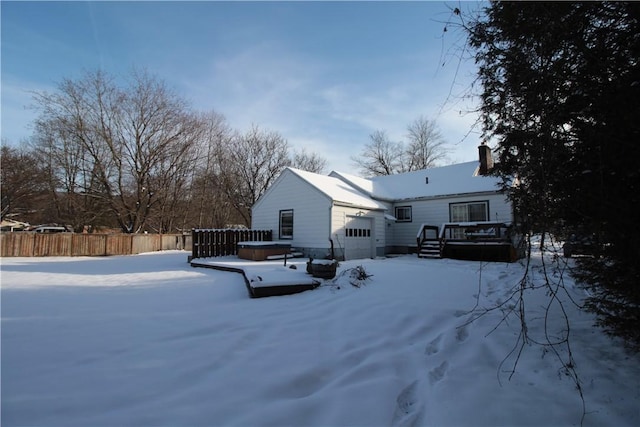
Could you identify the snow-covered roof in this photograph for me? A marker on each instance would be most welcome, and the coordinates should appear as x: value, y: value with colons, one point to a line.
x: 363, y: 184
x: 338, y: 190
x: 461, y: 178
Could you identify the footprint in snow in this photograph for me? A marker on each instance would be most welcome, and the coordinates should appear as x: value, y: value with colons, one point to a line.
x: 462, y: 334
x: 408, y: 409
x: 436, y: 374
x: 434, y: 346
x: 490, y: 290
x: 460, y: 313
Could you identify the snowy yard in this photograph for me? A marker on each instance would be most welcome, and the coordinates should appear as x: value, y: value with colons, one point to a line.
x: 148, y: 340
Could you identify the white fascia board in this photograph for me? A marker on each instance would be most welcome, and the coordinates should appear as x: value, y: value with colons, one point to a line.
x: 448, y: 196
x: 356, y: 206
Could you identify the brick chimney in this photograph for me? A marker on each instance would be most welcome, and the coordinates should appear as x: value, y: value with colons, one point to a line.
x: 486, y: 160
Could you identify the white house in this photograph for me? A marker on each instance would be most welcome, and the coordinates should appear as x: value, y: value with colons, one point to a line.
x: 351, y: 217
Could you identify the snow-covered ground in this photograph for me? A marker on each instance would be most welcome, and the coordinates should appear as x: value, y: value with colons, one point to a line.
x: 148, y: 340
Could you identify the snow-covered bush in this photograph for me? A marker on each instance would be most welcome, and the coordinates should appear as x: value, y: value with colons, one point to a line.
x: 356, y: 277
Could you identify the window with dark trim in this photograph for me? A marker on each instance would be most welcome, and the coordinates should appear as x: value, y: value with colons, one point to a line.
x: 286, y: 224
x: 469, y: 212
x: 403, y: 214
x: 357, y: 232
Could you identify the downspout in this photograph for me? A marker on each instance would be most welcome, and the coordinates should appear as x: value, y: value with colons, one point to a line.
x: 333, y: 256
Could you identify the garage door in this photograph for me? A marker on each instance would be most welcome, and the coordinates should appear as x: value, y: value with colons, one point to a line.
x: 358, y: 238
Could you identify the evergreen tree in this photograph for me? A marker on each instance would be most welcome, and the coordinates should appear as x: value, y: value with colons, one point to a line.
x: 561, y: 97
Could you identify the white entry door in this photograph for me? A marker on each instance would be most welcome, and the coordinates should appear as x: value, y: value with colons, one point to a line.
x: 358, y: 238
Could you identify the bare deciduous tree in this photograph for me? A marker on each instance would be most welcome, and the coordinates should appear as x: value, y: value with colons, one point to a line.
x: 209, y: 206
x: 425, y: 146
x: 311, y: 162
x: 134, y: 141
x: 250, y: 163
x: 69, y: 173
x: 134, y: 155
x: 381, y: 156
x: 22, y: 180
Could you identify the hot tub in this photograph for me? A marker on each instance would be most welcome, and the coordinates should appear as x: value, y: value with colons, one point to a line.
x: 260, y: 251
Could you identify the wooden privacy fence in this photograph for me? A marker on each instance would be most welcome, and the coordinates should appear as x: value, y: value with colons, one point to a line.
x: 208, y: 243
x: 25, y: 244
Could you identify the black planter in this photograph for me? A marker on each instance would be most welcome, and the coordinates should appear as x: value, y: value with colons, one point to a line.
x: 322, y: 269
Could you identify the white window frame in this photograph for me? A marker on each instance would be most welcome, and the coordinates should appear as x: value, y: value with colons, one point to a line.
x: 407, y: 215
x: 459, y: 233
x: 285, y: 232
x: 467, y: 214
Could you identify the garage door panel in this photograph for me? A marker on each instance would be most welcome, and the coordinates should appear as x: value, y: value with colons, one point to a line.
x: 358, y: 237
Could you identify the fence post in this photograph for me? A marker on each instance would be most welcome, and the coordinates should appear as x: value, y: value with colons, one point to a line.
x: 194, y: 251
x: 227, y: 242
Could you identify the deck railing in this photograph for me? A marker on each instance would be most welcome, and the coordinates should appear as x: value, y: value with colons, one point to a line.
x: 475, y: 231
x: 427, y: 232
x: 482, y: 240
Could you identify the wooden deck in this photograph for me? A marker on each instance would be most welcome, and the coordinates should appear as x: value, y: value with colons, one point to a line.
x: 477, y: 241
x: 264, y: 279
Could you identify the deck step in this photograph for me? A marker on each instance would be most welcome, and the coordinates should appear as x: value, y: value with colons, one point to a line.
x: 430, y: 249
x: 435, y: 256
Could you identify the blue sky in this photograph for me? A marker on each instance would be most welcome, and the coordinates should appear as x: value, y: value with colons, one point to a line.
x: 323, y: 74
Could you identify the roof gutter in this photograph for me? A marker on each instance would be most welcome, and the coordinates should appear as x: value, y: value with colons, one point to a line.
x: 353, y: 205
x: 445, y: 196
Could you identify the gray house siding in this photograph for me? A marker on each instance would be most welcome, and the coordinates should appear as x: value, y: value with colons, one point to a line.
x: 401, y: 236
x: 340, y: 219
x: 311, y: 214
x: 354, y: 217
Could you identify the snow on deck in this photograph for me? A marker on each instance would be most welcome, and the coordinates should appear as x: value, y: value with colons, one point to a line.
x: 262, y: 274
x: 266, y: 243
